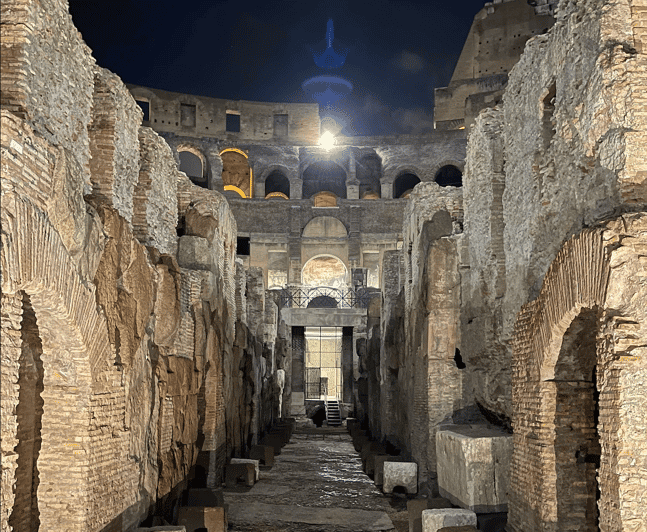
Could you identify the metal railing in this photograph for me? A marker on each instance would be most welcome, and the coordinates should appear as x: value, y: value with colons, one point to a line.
x: 324, y: 297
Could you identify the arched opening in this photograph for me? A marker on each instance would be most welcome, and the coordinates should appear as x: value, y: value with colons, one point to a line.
x: 324, y: 270
x: 275, y: 183
x: 403, y: 185
x: 324, y: 199
x: 322, y: 302
x: 29, y: 413
x: 368, y: 171
x: 236, y: 174
x: 276, y: 195
x: 193, y: 166
x: 324, y: 176
x: 449, y: 176
x: 577, y: 445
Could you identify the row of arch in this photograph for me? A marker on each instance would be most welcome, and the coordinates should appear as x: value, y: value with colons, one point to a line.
x: 322, y: 179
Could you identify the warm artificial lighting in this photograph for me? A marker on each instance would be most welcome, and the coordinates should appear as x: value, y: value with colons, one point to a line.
x: 327, y: 140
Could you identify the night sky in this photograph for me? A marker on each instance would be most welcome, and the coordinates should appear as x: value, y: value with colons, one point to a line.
x: 397, y: 51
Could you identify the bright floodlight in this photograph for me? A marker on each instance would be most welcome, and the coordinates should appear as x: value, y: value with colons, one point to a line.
x: 327, y: 140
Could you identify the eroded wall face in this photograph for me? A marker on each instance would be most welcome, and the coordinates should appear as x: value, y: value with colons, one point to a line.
x: 114, y: 345
x: 561, y: 153
x: 419, y: 331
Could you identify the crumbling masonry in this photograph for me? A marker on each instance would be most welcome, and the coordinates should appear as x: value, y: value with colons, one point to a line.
x: 142, y: 347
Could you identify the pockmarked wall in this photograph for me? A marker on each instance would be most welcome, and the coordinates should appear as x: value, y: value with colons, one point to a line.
x: 420, y: 383
x: 115, y: 331
x: 565, y: 150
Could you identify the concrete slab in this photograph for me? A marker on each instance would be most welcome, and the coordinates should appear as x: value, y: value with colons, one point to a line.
x: 356, y: 520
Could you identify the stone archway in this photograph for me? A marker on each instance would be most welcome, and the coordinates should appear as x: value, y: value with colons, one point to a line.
x: 569, y: 386
x: 47, y: 309
x: 237, y: 176
x: 194, y: 164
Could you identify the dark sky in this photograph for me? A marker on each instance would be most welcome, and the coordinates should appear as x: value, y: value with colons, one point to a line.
x: 398, y: 51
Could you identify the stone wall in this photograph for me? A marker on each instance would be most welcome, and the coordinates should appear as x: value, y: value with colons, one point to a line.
x: 565, y: 150
x: 579, y: 387
x: 200, y: 116
x: 419, y: 333
x: 114, y: 345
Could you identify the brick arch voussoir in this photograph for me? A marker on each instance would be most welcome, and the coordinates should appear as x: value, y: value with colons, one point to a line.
x: 576, y: 279
x: 289, y: 175
x: 35, y: 261
x: 447, y: 162
x: 76, y: 355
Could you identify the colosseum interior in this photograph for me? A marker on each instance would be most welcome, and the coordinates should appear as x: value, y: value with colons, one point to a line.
x: 436, y: 332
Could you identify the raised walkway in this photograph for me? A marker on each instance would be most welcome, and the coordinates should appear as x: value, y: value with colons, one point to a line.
x: 316, y: 485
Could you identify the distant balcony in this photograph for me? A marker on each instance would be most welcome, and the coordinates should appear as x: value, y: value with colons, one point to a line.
x: 324, y: 297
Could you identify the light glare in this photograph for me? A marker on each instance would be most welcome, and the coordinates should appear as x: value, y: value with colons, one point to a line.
x: 327, y: 140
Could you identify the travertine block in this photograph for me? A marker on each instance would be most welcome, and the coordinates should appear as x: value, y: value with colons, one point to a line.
x: 262, y: 453
x: 195, y: 517
x: 403, y: 474
x: 236, y: 472
x: 379, y: 467
x: 255, y: 463
x: 194, y: 253
x: 435, y: 520
x: 473, y: 467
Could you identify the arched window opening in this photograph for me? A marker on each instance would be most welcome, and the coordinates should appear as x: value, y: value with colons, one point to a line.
x: 577, y: 445
x: 370, y: 195
x: 325, y: 270
x: 449, y: 176
x: 236, y: 174
x: 322, y: 302
x: 368, y: 171
x: 193, y: 167
x: 325, y: 199
x: 404, y: 184
x: 276, y: 182
x: 324, y: 176
x: 29, y: 413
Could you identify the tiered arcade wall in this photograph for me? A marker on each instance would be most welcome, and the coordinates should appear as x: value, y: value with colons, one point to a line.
x: 114, y: 344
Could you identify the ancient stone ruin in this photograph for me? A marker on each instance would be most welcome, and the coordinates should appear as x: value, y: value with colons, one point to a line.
x: 184, y: 276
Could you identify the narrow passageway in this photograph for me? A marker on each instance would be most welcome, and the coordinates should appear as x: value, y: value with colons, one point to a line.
x: 316, y: 485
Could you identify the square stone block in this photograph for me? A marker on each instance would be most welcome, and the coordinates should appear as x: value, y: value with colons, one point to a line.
x: 473, y: 464
x: 435, y: 520
x: 379, y: 467
x: 194, y: 517
x: 262, y: 453
x: 255, y: 463
x: 236, y: 472
x: 403, y: 474
x: 195, y: 253
x: 204, y: 497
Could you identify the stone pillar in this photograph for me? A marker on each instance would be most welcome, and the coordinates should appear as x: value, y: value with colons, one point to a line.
x: 294, y: 245
x: 387, y: 190
x: 347, y: 364
x: 354, y: 258
x: 296, y: 189
x: 352, y: 184
x: 298, y: 353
